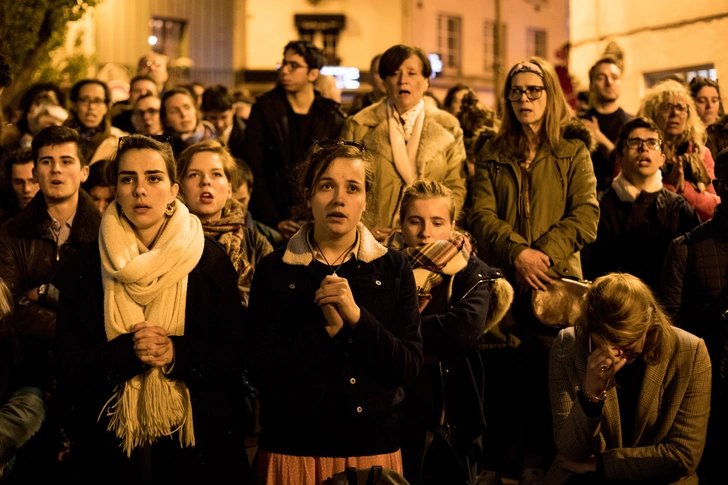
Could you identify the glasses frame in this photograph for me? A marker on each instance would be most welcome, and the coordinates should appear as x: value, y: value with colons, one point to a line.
x: 666, y: 107
x: 646, y: 142
x: 91, y: 101
x: 330, y: 143
x: 521, y: 92
x: 292, y: 64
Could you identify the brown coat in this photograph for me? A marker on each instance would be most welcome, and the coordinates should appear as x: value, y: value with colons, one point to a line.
x: 670, y: 424
x: 441, y: 151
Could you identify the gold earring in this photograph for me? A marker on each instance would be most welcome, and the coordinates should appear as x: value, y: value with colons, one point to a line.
x: 170, y: 209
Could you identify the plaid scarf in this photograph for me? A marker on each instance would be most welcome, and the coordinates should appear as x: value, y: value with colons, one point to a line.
x: 431, y: 261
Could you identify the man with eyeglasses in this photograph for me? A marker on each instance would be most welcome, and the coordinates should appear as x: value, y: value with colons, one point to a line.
x: 122, y: 112
x: 605, y: 118
x: 154, y: 65
x: 283, y: 124
x: 145, y: 115
x: 638, y: 216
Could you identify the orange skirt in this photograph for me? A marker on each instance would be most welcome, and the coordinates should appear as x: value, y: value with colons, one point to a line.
x: 277, y: 469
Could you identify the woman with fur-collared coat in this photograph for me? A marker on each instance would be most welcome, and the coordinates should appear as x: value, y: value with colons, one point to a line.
x: 408, y: 139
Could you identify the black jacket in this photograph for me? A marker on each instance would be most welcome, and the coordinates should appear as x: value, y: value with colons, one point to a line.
x: 633, y: 246
x: 236, y: 142
x: 695, y: 272
x: 296, y: 364
x: 29, y: 258
x: 208, y: 359
x: 268, y: 150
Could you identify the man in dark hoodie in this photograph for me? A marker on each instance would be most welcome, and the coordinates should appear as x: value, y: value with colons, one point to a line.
x: 282, y: 126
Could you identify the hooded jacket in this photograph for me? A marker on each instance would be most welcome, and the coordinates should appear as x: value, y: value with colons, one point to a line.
x: 441, y: 151
x: 564, y: 208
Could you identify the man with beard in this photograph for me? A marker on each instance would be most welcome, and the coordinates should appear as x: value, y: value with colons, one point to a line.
x: 605, y: 118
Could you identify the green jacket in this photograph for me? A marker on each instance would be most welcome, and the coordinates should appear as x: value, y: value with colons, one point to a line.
x: 564, y: 207
x: 441, y: 151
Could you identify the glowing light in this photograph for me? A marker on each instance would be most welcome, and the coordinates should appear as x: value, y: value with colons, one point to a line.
x: 436, y: 64
x: 152, y: 40
x: 346, y: 77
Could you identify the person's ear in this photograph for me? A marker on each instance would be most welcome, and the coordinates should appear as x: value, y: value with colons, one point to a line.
x: 84, y: 173
x: 173, y: 191
x: 313, y: 74
x: 663, y: 158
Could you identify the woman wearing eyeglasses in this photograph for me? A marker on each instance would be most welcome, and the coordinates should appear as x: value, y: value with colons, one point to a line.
x: 334, y: 331
x: 409, y: 139
x: 150, y: 344
x: 534, y: 208
x: 630, y: 393
x: 689, y: 168
x: 90, y: 100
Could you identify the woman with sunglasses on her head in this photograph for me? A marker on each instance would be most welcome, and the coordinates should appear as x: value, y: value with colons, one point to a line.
x: 409, y: 139
x: 206, y: 170
x: 689, y: 168
x: 149, y: 337
x: 460, y: 297
x: 334, y: 331
x: 630, y: 393
x: 534, y: 208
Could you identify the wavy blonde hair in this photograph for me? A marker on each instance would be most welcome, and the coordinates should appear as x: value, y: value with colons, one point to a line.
x: 620, y: 309
x: 661, y: 93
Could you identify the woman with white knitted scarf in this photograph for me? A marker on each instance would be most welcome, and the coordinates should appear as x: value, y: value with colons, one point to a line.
x: 148, y: 343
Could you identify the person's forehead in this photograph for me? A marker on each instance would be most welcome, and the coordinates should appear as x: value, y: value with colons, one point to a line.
x: 526, y: 79
x: 91, y: 89
x: 607, y: 68
x: 643, y: 133
x: 179, y: 99
x: 68, y: 149
x: 22, y: 170
x: 140, y: 84
x: 291, y: 55
x: 149, y: 102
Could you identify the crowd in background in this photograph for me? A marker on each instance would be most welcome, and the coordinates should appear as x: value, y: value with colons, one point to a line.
x: 190, y: 276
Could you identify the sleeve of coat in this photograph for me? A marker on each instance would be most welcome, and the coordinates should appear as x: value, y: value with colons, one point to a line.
x: 679, y: 453
x: 492, y: 233
x: 30, y: 318
x: 395, y: 352
x: 672, y: 280
x: 262, y: 205
x: 575, y: 434
x: 458, y: 329
x: 455, y: 176
x: 578, y: 226
x: 349, y: 131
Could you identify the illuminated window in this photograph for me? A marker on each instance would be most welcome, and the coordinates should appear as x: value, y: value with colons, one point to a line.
x: 449, y: 42
x: 168, y: 34
x: 536, y: 43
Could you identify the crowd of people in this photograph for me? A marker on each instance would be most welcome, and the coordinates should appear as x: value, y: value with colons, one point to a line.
x: 186, y: 277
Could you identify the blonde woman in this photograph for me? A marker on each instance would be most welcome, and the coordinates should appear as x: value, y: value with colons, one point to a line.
x: 630, y: 393
x: 689, y: 168
x: 149, y: 337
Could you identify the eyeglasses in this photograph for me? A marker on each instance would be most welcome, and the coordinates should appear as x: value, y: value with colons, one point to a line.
x: 150, y: 111
x: 327, y: 143
x: 668, y: 107
x: 636, y: 143
x: 292, y: 64
x: 91, y: 101
x: 160, y: 138
x: 531, y: 92
x: 153, y: 63
x: 720, y: 183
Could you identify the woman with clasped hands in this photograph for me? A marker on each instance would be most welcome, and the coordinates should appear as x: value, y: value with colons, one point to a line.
x: 630, y: 393
x: 334, y: 331
x: 149, y: 337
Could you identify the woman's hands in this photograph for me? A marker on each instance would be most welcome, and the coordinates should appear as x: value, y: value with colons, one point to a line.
x: 337, y: 302
x: 600, y: 368
x: 676, y: 177
x: 532, y: 267
x: 577, y: 467
x: 152, y: 345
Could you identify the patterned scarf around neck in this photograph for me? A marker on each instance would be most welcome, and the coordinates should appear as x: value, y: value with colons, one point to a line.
x: 229, y: 231
x: 148, y: 285
x: 431, y: 261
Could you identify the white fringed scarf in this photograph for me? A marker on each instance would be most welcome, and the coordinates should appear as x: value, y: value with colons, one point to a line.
x: 148, y: 285
x: 405, y: 140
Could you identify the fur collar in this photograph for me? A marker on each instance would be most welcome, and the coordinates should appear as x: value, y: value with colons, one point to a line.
x: 34, y: 221
x: 299, y: 253
x: 629, y: 193
x: 576, y: 130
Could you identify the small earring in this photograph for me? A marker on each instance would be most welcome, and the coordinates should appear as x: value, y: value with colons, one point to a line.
x: 170, y: 209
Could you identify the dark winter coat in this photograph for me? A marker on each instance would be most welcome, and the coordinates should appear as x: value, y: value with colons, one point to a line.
x: 695, y: 273
x: 296, y: 363
x: 268, y: 150
x: 208, y: 359
x: 638, y: 249
x: 717, y: 136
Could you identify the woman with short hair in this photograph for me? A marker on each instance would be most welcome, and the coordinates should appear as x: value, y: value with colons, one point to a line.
x: 630, y: 393
x: 334, y: 331
x: 409, y: 139
x: 150, y: 337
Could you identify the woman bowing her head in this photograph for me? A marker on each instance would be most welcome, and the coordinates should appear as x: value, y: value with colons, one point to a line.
x: 334, y: 331
x: 148, y: 344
